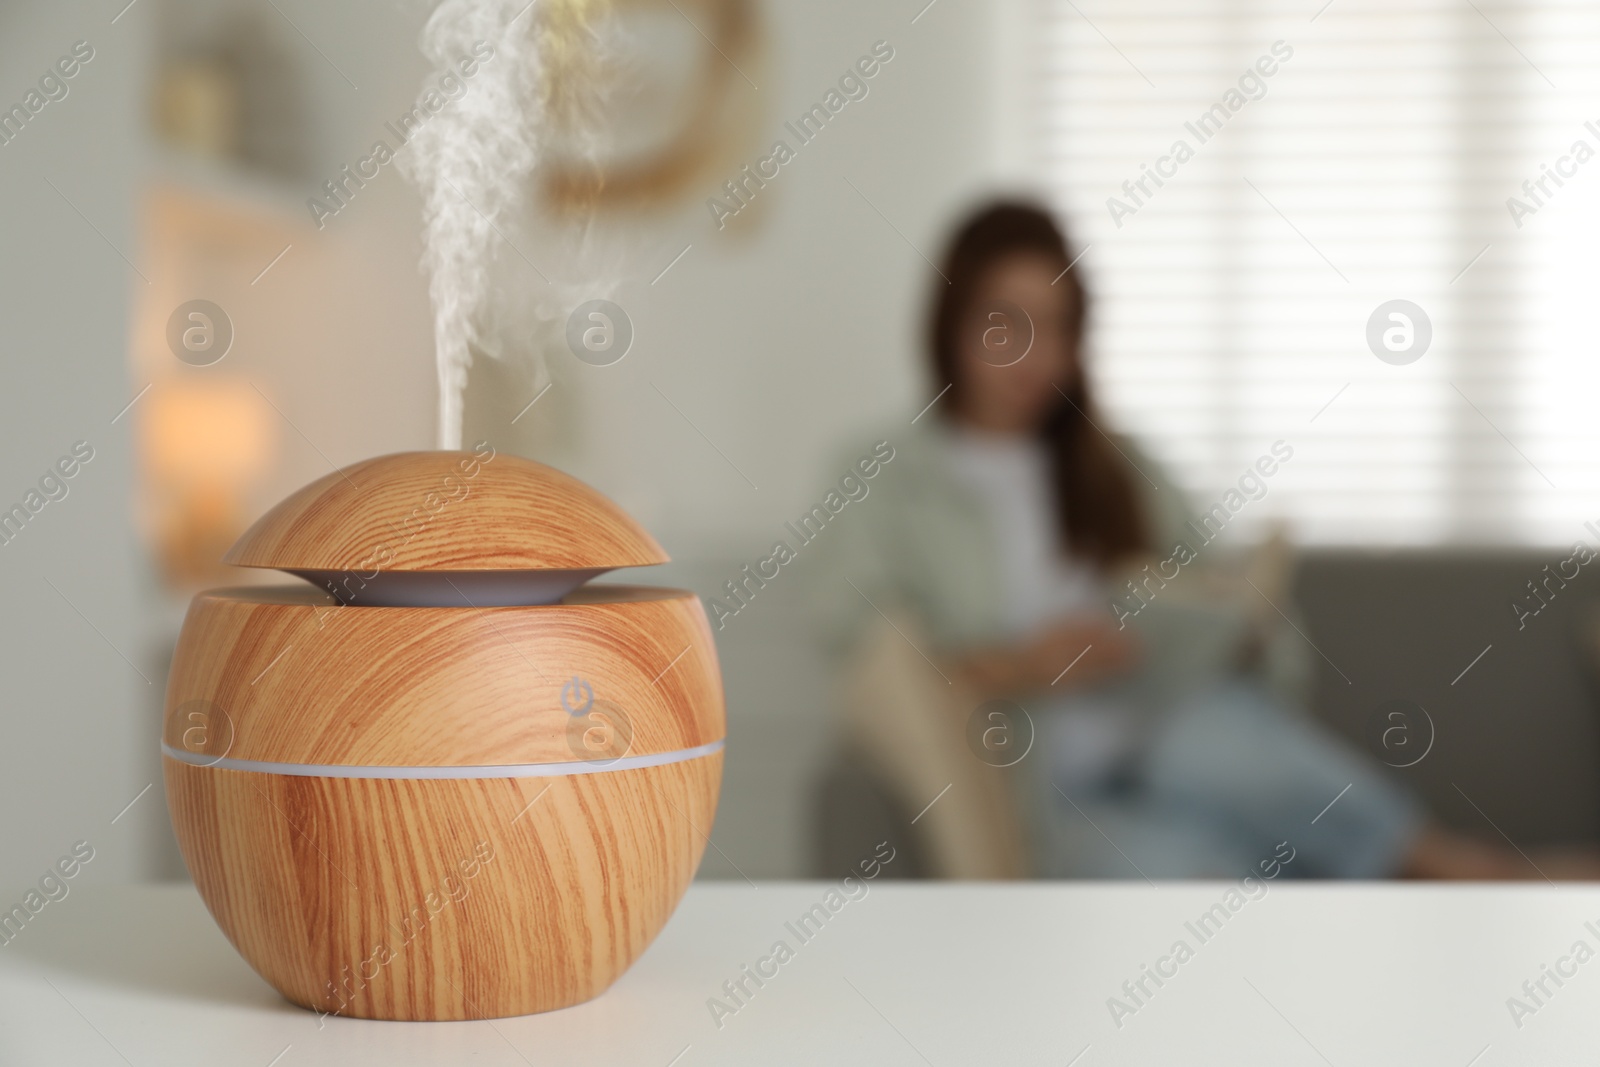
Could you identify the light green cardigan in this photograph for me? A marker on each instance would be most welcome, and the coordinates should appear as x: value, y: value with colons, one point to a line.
x: 920, y: 543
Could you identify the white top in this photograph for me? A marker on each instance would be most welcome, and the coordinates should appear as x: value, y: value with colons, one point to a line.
x: 1011, y: 475
x: 962, y: 973
x: 1081, y: 736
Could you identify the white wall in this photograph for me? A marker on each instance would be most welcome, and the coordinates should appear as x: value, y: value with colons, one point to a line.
x: 69, y: 715
x: 784, y: 341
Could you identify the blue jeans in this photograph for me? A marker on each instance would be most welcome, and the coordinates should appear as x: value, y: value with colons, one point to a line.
x: 1220, y: 781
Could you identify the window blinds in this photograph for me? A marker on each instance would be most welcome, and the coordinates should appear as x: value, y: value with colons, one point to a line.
x: 1254, y: 181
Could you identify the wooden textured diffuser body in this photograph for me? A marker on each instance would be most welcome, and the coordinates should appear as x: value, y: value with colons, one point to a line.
x: 416, y: 794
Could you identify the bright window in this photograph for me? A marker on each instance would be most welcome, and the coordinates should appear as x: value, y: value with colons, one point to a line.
x: 1373, y: 164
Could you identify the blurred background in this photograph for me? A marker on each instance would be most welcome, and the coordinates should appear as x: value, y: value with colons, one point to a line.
x: 1397, y: 153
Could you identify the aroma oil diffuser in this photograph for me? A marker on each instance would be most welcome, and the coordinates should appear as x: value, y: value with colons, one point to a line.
x: 451, y: 779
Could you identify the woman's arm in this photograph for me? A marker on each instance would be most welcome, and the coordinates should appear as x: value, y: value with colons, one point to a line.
x: 1076, y: 653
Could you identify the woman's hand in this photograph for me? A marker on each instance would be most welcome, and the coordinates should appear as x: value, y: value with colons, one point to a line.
x: 1075, y: 653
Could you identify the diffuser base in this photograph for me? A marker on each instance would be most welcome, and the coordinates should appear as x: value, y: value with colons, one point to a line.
x: 471, y: 899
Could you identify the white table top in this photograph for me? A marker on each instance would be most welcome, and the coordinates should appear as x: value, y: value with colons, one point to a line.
x: 908, y: 974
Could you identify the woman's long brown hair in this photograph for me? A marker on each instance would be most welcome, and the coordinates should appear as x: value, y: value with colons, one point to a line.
x: 1100, y: 507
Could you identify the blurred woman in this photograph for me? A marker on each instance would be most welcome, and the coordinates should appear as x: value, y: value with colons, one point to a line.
x: 1169, y: 740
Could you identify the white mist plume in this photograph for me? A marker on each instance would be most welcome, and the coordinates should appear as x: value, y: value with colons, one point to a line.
x: 542, y: 101
x: 472, y: 162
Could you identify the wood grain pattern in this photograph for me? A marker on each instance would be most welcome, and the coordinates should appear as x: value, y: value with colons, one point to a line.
x: 287, y: 676
x: 427, y: 899
x: 353, y: 895
x: 446, y: 511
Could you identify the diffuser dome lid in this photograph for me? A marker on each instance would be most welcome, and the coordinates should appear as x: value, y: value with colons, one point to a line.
x: 446, y: 511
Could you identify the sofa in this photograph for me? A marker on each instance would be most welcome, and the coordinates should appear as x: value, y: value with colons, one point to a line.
x: 1505, y: 673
